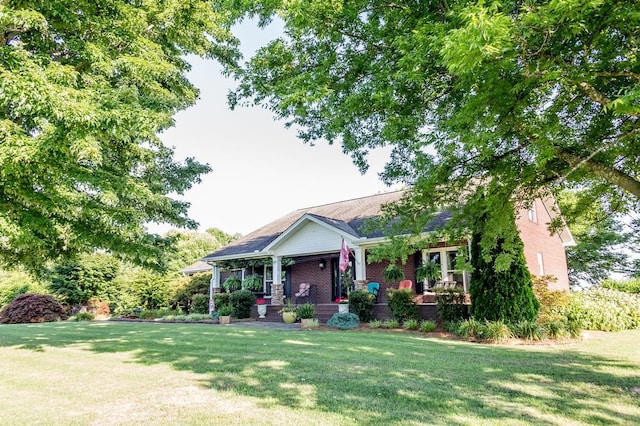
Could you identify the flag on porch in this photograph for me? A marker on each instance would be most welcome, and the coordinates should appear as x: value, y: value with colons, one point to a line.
x: 344, y: 256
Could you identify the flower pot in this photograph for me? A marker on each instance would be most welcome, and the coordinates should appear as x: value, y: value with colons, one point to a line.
x: 289, y: 317
x: 343, y: 308
x: 262, y: 311
x: 225, y: 319
x: 309, y: 323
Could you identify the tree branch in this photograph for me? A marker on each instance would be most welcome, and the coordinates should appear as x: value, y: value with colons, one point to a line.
x: 609, y: 174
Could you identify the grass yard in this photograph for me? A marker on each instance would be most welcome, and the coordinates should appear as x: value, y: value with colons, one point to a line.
x: 142, y: 373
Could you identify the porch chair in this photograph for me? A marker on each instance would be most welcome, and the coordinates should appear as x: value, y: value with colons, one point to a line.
x: 405, y: 284
x: 306, y: 293
x: 373, y: 288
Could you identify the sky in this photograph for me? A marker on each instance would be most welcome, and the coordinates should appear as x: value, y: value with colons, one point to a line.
x: 260, y: 170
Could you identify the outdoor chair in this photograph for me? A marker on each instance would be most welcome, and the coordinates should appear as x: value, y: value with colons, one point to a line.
x: 405, y: 284
x: 374, y: 288
x: 306, y: 294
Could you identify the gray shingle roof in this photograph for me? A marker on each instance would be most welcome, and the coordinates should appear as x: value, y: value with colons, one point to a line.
x: 347, y: 216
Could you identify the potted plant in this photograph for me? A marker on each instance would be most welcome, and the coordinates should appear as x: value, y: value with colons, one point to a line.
x: 224, y: 313
x: 393, y: 273
x: 289, y: 313
x: 306, y: 314
x: 343, y: 304
x: 232, y: 284
x: 262, y: 307
x: 252, y: 282
x: 429, y: 272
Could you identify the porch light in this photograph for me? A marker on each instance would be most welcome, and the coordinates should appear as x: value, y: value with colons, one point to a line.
x: 321, y: 264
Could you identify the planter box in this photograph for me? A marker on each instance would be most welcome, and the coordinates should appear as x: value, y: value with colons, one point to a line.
x: 309, y: 323
x: 225, y: 320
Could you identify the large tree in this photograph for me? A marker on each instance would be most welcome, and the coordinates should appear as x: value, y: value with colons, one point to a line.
x: 86, y: 86
x: 536, y: 95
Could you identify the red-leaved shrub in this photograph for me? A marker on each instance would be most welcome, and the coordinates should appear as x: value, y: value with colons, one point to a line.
x: 99, y: 308
x: 29, y: 307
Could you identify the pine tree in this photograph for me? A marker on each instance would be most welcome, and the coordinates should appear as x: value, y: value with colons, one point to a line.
x: 501, y: 286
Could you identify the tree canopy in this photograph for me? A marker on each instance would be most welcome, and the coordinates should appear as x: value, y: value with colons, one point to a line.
x: 85, y: 89
x: 535, y: 95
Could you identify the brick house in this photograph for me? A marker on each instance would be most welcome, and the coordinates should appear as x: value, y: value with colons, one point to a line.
x: 304, y: 247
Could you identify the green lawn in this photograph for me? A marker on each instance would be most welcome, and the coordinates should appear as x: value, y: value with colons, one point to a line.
x: 129, y: 373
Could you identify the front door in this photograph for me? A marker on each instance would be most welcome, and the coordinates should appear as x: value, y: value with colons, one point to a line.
x: 338, y: 285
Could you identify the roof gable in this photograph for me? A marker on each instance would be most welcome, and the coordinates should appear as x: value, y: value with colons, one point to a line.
x: 345, y: 217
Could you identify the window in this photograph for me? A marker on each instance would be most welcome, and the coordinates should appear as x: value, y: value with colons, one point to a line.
x: 540, y: 264
x: 532, y: 213
x: 450, y: 261
x: 268, y: 280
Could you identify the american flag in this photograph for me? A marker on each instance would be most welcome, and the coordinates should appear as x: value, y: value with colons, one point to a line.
x: 344, y: 256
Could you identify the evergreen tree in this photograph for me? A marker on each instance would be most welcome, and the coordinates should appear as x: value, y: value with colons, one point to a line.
x: 501, y: 286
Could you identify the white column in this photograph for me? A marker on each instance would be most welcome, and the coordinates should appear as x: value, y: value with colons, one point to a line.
x: 277, y: 269
x: 214, y: 286
x: 361, y: 266
x: 277, y: 288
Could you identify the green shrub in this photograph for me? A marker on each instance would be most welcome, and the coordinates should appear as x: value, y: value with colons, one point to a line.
x: 224, y: 310
x: 26, y: 308
x: 574, y: 329
x: 552, y: 302
x: 82, y: 316
x: 187, y: 287
x: 344, y: 321
x: 471, y: 329
x: 402, y: 305
x: 529, y: 330
x: 392, y: 323
x: 198, y: 317
x: 411, y: 324
x: 242, y: 302
x: 628, y: 286
x: 451, y: 326
x: 153, y: 313
x: 181, y: 317
x: 306, y: 311
x: 199, y: 304
x: 221, y: 299
x: 361, y: 303
x: 450, y: 305
x: 427, y: 326
x: 13, y: 283
x: 556, y: 330
x: 604, y: 309
x: 497, y: 331
x: 375, y: 323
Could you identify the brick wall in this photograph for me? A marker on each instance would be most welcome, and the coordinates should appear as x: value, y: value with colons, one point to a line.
x: 536, y: 239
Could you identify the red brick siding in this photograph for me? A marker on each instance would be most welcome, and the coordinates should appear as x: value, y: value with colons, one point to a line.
x: 307, y: 271
x: 536, y: 239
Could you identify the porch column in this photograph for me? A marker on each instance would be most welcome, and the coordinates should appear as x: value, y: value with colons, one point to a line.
x: 214, y: 286
x: 277, y: 288
x: 361, y: 268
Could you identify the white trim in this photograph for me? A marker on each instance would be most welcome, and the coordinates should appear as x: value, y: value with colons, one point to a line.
x: 291, y: 230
